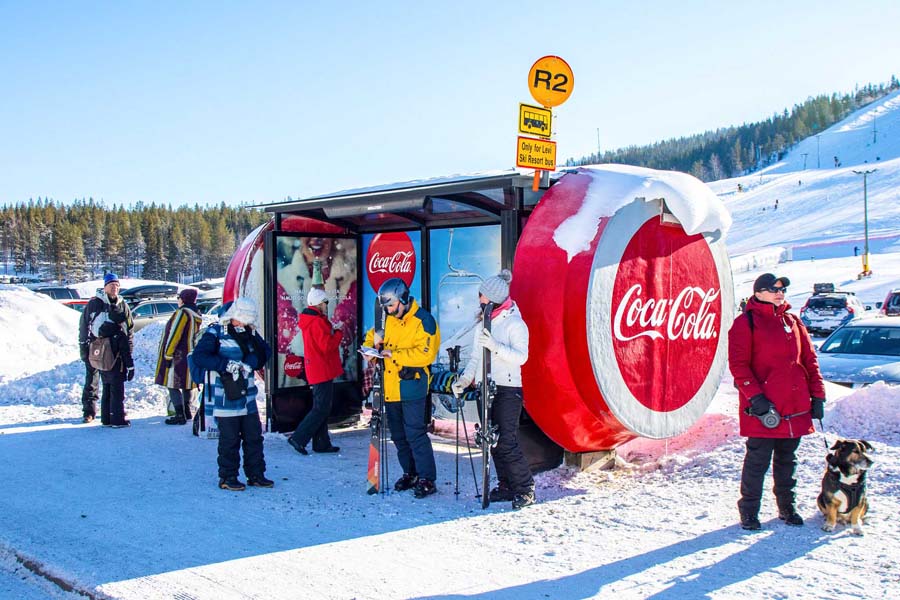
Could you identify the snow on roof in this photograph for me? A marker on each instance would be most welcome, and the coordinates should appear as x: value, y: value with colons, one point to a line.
x: 690, y: 200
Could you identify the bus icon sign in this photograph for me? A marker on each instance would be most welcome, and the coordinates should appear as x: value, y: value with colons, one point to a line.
x: 535, y: 120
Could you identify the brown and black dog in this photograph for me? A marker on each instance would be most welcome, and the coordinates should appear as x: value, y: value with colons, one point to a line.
x: 844, y: 485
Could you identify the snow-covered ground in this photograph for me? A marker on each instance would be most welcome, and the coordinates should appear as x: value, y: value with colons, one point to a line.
x: 135, y: 513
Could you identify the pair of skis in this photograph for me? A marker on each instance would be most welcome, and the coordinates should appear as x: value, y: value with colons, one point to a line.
x: 377, y: 473
x: 485, y: 432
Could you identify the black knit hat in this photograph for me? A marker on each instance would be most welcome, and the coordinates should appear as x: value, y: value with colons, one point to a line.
x: 767, y: 280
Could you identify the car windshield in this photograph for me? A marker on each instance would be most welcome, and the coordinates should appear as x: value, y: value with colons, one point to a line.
x: 883, y: 341
x: 827, y: 303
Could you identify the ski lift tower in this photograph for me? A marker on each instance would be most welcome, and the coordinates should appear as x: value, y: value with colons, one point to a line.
x: 866, y: 270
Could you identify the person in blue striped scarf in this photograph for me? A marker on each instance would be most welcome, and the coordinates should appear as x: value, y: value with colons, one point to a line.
x: 231, y: 350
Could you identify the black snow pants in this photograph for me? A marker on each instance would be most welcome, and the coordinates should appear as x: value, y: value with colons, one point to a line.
x: 781, y: 453
x: 233, y: 432
x: 509, y: 461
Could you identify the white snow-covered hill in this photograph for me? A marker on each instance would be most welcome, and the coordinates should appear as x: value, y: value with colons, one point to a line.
x: 820, y: 211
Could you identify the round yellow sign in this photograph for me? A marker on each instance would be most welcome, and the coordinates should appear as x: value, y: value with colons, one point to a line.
x: 550, y: 81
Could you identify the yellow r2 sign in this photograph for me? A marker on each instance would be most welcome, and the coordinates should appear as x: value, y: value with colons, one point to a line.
x: 550, y: 81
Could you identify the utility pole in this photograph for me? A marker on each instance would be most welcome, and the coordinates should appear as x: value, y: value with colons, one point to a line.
x: 866, y: 271
x: 804, y: 155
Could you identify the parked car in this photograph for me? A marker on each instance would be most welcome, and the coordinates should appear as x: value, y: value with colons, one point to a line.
x: 78, y: 304
x: 150, y: 311
x: 58, y: 293
x: 148, y: 292
x: 862, y: 352
x: 891, y: 304
x: 823, y: 313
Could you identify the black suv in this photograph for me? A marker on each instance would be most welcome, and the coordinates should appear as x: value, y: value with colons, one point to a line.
x: 147, y: 292
x: 58, y: 293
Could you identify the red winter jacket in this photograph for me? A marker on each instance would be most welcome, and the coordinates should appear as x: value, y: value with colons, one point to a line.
x: 320, y: 347
x: 776, y: 359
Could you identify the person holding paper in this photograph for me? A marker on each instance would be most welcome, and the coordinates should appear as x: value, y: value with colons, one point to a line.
x: 409, y: 347
x: 321, y: 340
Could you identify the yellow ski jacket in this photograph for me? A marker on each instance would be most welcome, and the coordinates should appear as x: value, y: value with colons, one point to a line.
x: 413, y: 341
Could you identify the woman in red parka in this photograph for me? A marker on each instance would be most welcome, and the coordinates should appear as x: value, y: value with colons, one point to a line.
x: 774, y: 367
x: 322, y: 364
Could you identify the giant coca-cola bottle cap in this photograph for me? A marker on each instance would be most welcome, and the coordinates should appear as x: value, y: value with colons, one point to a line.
x: 622, y: 276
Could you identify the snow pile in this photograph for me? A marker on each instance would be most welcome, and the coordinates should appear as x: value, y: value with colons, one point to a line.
x: 871, y: 413
x: 38, y: 332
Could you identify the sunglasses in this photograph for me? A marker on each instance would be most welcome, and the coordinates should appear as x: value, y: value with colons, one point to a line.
x: 774, y: 289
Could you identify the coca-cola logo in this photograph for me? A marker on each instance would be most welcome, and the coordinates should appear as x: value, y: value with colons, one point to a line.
x: 666, y: 313
x: 390, y: 255
x: 659, y: 318
x: 293, y: 366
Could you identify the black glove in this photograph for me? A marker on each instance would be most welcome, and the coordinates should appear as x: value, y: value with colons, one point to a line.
x: 818, y: 408
x: 129, y: 374
x: 759, y: 405
x: 84, y: 351
x: 167, y: 363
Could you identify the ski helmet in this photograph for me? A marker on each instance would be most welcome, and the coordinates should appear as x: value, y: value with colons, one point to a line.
x: 394, y: 289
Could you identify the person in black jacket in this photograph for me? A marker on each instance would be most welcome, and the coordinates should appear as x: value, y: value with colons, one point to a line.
x: 90, y: 393
x: 108, y: 316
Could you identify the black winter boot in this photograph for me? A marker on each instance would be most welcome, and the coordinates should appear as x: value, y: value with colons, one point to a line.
x: 407, y: 482
x: 522, y: 500
x: 232, y: 484
x: 750, y: 522
x: 176, y: 420
x: 260, y: 481
x: 501, y: 493
x: 791, y: 518
x: 424, y: 487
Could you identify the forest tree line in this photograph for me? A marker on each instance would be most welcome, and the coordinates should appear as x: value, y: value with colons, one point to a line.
x: 735, y: 151
x: 80, y: 241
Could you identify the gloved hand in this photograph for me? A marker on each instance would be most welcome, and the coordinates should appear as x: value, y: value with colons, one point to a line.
x: 234, y: 368
x: 759, y: 405
x: 83, y: 348
x: 337, y: 325
x: 167, y: 363
x: 486, y: 340
x: 129, y: 374
x: 247, y: 370
x: 460, y: 385
x: 818, y: 408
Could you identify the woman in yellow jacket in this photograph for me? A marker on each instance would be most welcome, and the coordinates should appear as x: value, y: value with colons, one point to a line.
x: 409, y: 347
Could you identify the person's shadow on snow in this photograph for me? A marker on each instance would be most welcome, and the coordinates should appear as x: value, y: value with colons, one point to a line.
x: 765, y: 550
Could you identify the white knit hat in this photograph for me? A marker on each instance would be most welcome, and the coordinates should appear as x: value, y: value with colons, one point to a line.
x: 496, y: 288
x: 243, y: 310
x: 316, y: 296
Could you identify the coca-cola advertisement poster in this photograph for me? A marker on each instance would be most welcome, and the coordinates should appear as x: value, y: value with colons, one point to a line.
x: 387, y: 255
x: 301, y: 262
x: 461, y: 258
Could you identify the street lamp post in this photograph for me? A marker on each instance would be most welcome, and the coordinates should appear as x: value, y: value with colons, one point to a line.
x: 866, y: 271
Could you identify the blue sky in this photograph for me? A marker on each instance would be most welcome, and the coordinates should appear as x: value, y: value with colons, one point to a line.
x: 184, y: 102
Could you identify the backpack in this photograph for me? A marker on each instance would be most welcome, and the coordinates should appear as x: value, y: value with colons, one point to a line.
x: 101, y: 355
